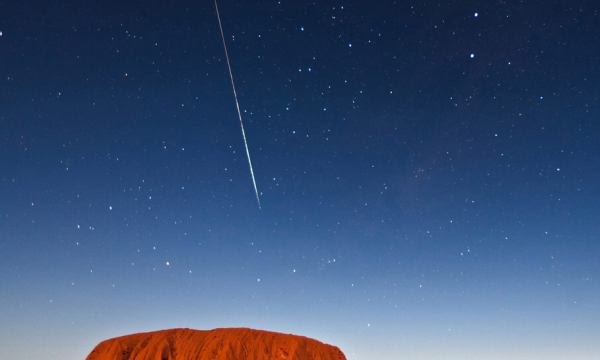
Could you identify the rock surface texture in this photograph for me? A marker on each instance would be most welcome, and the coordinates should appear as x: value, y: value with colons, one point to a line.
x: 218, y: 344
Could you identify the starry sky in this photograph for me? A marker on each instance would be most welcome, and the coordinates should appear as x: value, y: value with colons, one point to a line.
x: 428, y: 174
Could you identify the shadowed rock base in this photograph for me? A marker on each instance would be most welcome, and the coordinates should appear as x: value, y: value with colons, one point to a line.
x: 218, y: 344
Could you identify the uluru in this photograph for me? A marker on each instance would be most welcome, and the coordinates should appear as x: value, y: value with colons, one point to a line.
x: 217, y: 344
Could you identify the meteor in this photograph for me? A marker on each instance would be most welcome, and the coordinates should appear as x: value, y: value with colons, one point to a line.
x: 237, y: 104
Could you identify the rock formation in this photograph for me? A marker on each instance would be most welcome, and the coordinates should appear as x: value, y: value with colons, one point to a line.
x: 218, y: 344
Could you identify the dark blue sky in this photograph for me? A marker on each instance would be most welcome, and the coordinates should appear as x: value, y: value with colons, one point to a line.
x: 428, y: 175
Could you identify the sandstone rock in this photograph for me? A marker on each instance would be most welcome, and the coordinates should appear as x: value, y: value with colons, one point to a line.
x: 218, y: 344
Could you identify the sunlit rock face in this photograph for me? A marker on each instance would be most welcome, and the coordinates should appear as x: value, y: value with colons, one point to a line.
x: 218, y: 344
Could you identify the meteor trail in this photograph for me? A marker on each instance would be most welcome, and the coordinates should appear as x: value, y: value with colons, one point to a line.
x: 237, y: 105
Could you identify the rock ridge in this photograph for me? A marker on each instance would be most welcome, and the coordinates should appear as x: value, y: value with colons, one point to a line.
x: 217, y: 344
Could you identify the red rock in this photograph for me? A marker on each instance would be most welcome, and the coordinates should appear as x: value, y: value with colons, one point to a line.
x: 218, y: 344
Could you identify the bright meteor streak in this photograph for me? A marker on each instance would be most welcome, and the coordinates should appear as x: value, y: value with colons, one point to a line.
x: 237, y: 105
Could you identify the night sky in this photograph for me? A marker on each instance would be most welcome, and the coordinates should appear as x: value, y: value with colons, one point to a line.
x: 428, y: 174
